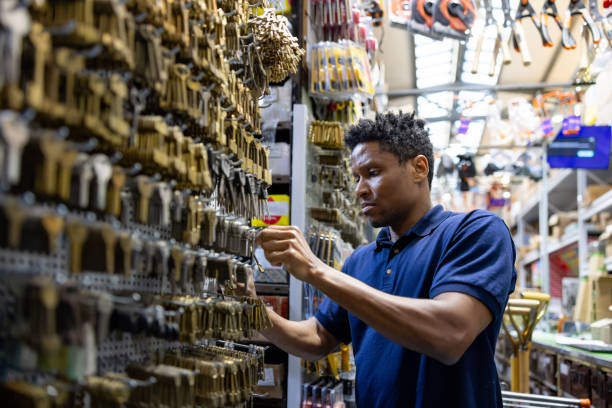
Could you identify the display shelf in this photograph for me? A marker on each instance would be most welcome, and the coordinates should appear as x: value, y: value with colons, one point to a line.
x: 561, y: 190
x: 603, y: 203
x: 565, y: 242
x: 548, y: 385
x: 553, y: 246
x: 530, y: 257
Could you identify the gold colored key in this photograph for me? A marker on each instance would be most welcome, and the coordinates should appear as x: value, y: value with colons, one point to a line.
x: 145, y: 188
x: 65, y: 173
x: 54, y: 225
x: 77, y: 234
x: 110, y: 241
x: 113, y: 193
x: 16, y: 215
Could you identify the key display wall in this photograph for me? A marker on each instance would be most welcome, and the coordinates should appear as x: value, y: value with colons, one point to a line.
x: 130, y: 168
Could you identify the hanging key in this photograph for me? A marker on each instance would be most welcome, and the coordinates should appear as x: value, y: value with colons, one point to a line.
x: 144, y: 187
x: 14, y: 134
x: 102, y: 171
x: 77, y: 233
x: 82, y: 174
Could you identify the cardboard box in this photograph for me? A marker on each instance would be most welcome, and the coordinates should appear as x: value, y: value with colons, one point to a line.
x: 273, y: 382
x: 607, y: 238
x: 563, y: 218
x: 593, y: 192
x: 557, y: 232
x: 602, y: 297
x: 602, y: 330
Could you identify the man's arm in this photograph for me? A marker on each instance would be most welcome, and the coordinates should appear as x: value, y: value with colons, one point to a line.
x: 442, y: 328
x: 307, y: 339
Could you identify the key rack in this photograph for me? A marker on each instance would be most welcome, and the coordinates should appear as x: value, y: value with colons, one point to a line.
x: 131, y: 163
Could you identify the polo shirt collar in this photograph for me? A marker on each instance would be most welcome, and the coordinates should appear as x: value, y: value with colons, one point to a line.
x: 423, y: 227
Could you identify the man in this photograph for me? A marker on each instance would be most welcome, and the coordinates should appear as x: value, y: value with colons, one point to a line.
x: 423, y: 304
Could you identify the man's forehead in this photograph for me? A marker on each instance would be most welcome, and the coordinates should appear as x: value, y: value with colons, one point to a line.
x: 369, y: 152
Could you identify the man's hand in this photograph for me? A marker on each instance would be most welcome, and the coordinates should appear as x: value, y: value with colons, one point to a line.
x: 246, y: 289
x: 287, y: 246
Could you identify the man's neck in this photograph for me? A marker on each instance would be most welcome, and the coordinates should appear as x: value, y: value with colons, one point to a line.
x: 418, y: 212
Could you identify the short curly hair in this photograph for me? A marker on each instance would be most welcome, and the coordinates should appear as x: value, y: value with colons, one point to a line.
x: 399, y: 133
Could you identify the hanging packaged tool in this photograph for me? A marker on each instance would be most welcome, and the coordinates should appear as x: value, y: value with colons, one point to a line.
x: 577, y: 7
x: 549, y: 9
x: 453, y: 18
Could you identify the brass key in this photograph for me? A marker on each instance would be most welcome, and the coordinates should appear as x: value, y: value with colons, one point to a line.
x: 54, y: 225
x: 77, y: 234
x: 110, y: 240
x: 16, y: 215
x: 113, y: 193
x: 145, y: 188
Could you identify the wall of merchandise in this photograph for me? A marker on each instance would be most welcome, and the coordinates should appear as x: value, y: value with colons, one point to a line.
x: 131, y: 167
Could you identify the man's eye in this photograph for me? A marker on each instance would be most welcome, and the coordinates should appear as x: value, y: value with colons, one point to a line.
x: 372, y: 173
x: 356, y: 178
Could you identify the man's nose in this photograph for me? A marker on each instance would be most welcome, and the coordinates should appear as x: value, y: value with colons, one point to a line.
x: 362, y: 190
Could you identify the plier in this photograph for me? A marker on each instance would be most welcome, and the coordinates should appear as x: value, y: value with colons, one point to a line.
x: 604, y: 24
x: 549, y: 9
x: 520, y: 42
x: 577, y: 7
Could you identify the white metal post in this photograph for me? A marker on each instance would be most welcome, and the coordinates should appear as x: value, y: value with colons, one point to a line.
x: 298, y: 218
x: 543, y: 216
x: 583, y: 239
x: 519, y: 242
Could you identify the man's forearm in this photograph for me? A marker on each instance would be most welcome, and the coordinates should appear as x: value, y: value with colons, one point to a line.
x: 423, y: 325
x: 302, y: 339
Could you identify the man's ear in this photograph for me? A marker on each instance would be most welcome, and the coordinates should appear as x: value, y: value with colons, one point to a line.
x: 420, y: 164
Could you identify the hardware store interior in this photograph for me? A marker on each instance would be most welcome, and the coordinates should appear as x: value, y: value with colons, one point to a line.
x: 447, y: 163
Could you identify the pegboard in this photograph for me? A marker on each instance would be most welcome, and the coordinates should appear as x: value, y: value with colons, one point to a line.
x: 119, y: 350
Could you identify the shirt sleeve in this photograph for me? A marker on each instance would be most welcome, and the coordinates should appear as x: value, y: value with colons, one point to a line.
x: 334, y: 317
x: 478, y: 261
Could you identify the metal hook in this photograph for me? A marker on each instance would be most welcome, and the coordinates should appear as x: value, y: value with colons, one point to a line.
x: 87, y: 146
x: 210, y: 87
x: 62, y: 133
x: 135, y: 169
x: 92, y: 52
x: 141, y: 17
x: 29, y: 115
x: 198, y: 77
x: 114, y: 159
x: 66, y: 29
x: 230, y: 13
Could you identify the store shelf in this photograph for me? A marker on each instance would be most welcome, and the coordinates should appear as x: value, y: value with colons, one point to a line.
x: 548, y: 385
x: 603, y: 203
x: 530, y: 257
x: 552, y: 247
x: 561, y: 190
x: 562, y: 243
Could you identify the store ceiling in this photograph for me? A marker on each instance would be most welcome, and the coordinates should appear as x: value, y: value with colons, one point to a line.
x: 439, y: 63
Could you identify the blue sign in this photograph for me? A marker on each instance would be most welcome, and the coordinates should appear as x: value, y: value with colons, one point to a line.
x: 588, y: 149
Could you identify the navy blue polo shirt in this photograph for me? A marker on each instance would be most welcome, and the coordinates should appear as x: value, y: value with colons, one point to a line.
x: 469, y: 253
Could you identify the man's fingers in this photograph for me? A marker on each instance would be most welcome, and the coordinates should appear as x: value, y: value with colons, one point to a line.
x: 276, y: 245
x: 276, y: 233
x: 277, y: 258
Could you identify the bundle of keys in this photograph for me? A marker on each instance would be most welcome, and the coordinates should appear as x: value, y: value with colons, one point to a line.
x: 329, y: 135
x: 281, y: 54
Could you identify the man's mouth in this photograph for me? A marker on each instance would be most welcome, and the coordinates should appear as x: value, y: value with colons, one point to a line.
x: 367, y: 207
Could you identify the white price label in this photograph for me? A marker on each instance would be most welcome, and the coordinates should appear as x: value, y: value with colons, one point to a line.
x: 268, y: 380
x: 564, y: 369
